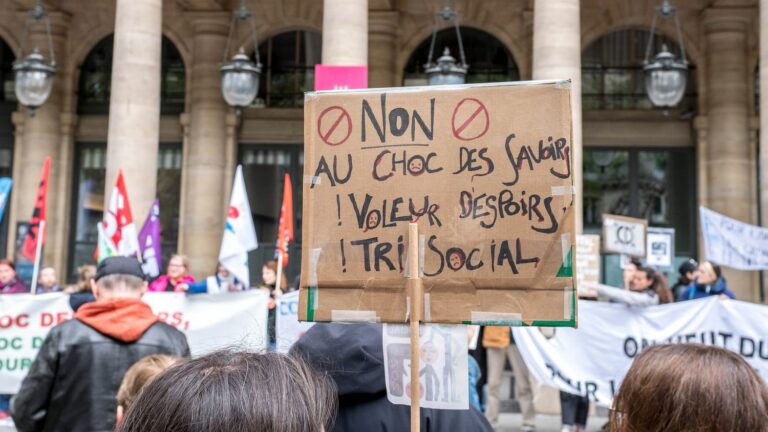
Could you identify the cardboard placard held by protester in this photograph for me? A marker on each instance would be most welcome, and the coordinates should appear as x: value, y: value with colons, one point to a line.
x: 624, y: 235
x: 485, y: 171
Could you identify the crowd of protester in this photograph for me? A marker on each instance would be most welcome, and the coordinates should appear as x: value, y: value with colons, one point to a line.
x: 90, y: 371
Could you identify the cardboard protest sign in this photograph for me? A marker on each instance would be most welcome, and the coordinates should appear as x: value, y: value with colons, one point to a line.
x: 443, y: 365
x: 624, y: 235
x: 660, y: 247
x: 485, y: 171
x: 587, y: 261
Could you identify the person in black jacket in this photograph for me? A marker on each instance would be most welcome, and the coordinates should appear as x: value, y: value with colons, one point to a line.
x: 353, y: 356
x: 73, y: 382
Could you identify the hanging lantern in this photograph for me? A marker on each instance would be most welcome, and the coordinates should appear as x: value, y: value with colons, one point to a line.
x: 33, y: 76
x: 446, y: 71
x: 665, y: 75
x: 240, y: 76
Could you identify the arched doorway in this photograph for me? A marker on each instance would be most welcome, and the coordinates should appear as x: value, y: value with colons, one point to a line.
x: 629, y: 171
x: 489, y: 60
x: 90, y: 156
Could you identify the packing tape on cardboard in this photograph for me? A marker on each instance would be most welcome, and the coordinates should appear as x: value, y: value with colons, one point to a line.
x: 422, y: 242
x: 341, y: 315
x: 565, y: 244
x: 407, y: 308
x: 427, y: 314
x: 563, y: 190
x: 312, y: 180
x: 567, y: 303
x: 491, y: 318
x: 563, y: 84
x: 314, y: 258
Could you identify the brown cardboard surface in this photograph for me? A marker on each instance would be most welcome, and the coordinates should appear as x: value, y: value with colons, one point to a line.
x: 444, y: 157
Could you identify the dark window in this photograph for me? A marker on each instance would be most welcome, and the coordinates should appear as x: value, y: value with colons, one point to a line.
x: 263, y: 169
x: 89, y: 202
x: 7, y: 78
x: 612, y: 72
x: 657, y: 185
x: 289, y: 61
x: 488, y: 59
x: 7, y: 107
x: 96, y: 78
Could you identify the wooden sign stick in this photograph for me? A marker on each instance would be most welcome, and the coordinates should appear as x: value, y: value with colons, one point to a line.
x: 416, y: 293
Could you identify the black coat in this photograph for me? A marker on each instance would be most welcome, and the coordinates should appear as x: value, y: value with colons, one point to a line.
x: 353, y: 356
x: 73, y: 382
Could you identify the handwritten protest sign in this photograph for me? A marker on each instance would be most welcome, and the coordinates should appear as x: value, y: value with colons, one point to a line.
x: 587, y: 261
x: 484, y: 170
x: 624, y: 235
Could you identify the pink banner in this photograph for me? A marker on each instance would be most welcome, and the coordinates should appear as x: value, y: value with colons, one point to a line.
x: 340, y: 77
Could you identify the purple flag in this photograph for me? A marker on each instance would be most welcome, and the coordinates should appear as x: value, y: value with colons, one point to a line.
x: 149, y: 242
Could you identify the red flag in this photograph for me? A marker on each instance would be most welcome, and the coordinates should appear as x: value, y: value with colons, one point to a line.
x: 285, y: 229
x: 30, y: 241
x: 118, y: 220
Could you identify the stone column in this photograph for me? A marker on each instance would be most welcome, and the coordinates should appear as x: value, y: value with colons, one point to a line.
x: 37, y: 138
x: 382, y: 49
x: 728, y: 165
x: 557, y: 55
x: 345, y: 32
x: 763, y: 62
x: 134, y: 107
x: 205, y: 157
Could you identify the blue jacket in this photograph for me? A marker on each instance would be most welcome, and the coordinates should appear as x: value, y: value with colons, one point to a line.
x: 697, y: 291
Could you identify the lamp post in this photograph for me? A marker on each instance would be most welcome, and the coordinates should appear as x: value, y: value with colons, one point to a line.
x: 665, y: 75
x: 446, y: 70
x: 240, y: 75
x: 34, y: 77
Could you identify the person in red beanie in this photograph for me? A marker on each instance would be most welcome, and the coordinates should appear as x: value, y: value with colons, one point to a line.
x: 73, y: 382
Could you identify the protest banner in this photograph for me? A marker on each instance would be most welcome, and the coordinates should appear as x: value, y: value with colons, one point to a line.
x: 619, y: 333
x: 624, y: 235
x: 209, y: 321
x: 587, y: 260
x: 660, y: 248
x: 288, y: 328
x: 733, y: 243
x: 485, y: 172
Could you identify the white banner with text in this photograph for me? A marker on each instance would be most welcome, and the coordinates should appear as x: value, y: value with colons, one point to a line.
x: 593, y: 359
x: 210, y: 321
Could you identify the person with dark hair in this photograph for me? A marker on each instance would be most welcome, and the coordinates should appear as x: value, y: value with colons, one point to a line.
x: 709, y: 281
x: 630, y: 268
x: 687, y: 272
x: 232, y: 390
x: 690, y: 387
x: 72, y: 383
x: 83, y: 293
x: 352, y: 354
x: 648, y: 288
x: 9, y: 280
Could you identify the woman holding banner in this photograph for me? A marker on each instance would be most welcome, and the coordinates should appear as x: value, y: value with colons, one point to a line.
x: 9, y: 281
x: 648, y: 288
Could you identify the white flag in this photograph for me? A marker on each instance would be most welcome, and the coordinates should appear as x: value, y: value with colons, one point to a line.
x: 239, y: 233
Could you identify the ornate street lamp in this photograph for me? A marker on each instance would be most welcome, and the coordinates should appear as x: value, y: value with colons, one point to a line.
x: 240, y: 76
x: 665, y: 75
x: 34, y: 77
x: 446, y: 70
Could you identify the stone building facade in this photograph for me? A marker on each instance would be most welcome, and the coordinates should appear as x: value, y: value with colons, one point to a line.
x: 635, y: 159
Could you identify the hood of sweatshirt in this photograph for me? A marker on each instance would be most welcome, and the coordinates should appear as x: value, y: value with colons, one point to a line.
x: 124, y: 319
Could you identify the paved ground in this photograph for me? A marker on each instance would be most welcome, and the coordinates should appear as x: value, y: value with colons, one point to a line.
x: 544, y: 423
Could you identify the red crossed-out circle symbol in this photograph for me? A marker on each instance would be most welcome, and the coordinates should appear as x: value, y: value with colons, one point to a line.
x: 332, y: 127
x: 470, y: 119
